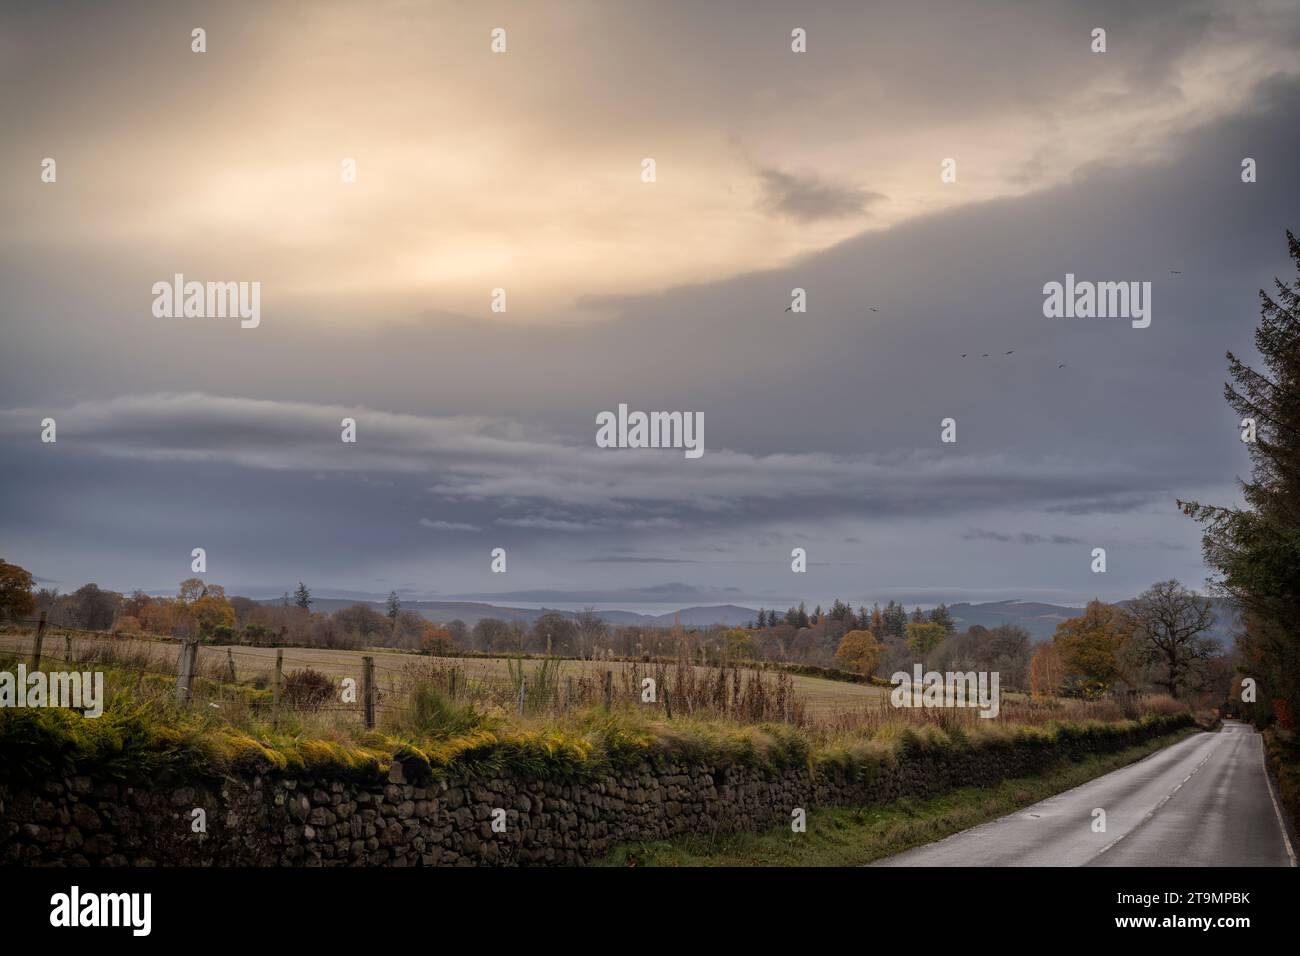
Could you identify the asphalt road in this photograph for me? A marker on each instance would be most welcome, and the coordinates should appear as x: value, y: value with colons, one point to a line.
x: 1205, y: 801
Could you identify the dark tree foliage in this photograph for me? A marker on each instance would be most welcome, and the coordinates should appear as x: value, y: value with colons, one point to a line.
x: 1255, y: 550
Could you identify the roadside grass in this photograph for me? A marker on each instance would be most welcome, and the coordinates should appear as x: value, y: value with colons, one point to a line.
x: 854, y: 836
x: 1282, y: 751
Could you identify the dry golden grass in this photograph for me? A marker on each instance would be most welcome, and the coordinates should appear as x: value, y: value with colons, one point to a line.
x: 821, y: 697
x: 556, y: 687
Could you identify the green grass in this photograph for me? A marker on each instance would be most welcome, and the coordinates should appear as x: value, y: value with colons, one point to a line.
x: 857, y: 835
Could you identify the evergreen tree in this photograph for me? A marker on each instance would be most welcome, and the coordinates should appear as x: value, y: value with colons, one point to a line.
x: 302, y: 597
x: 944, y: 619
x: 1255, y: 550
x: 394, y: 606
x: 894, y: 619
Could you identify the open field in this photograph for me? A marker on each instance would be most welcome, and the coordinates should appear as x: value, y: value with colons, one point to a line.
x: 821, y: 696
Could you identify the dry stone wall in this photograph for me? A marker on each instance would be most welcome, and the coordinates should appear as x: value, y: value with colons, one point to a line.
x: 409, y: 817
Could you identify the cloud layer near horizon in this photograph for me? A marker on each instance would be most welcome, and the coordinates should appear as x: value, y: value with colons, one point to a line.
x: 476, y: 431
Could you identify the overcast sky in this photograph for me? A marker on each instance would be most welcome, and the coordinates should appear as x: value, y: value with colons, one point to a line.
x: 523, y: 170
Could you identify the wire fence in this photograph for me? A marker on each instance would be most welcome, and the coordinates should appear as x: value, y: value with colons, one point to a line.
x: 280, y: 681
x: 359, y: 687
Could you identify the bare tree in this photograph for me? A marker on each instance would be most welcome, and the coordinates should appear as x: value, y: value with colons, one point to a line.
x: 1168, y: 621
x: 591, y: 629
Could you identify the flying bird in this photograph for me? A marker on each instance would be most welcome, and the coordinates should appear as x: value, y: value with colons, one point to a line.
x: 964, y: 354
x: 874, y: 310
x: 789, y: 308
x: 986, y: 354
x: 1011, y: 351
x: 1175, y: 272
x: 1062, y: 365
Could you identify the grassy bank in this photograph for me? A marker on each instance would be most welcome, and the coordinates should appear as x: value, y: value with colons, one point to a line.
x: 856, y: 836
x: 229, y: 730
x: 1282, y: 750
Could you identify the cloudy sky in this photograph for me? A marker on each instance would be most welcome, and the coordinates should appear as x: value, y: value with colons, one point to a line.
x: 522, y: 170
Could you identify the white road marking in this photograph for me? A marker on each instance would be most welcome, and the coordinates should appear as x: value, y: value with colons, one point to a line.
x: 1286, y: 837
x: 1163, y: 800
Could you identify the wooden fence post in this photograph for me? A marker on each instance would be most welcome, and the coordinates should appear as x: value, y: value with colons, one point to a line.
x: 668, y: 707
x: 275, y: 687
x: 523, y: 689
x: 368, y: 691
x: 185, y: 670
x: 568, y: 696
x: 451, y: 685
x: 39, y: 640
x: 67, y: 648
x: 230, y: 665
x: 609, y: 689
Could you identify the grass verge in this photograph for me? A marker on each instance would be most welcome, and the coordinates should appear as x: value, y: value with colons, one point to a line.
x: 853, y: 836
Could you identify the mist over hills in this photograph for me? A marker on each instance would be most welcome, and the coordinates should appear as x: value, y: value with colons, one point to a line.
x: 471, y: 612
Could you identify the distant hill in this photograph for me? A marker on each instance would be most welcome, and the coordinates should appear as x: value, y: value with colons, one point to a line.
x: 471, y: 612
x: 1039, y: 620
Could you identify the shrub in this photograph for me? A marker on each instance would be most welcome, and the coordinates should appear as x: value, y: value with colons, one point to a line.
x: 307, y: 689
x: 430, y: 711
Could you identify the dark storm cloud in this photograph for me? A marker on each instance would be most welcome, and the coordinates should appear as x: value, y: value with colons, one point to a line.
x: 177, y: 434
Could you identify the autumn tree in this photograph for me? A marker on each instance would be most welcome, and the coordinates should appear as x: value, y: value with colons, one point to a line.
x: 16, y: 583
x: 738, y: 643
x: 877, y: 625
x: 1046, y: 671
x: 158, y: 617
x: 1090, y: 646
x: 436, y: 641
x: 924, y: 636
x: 134, y: 605
x: 205, y: 605
x: 859, y: 651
